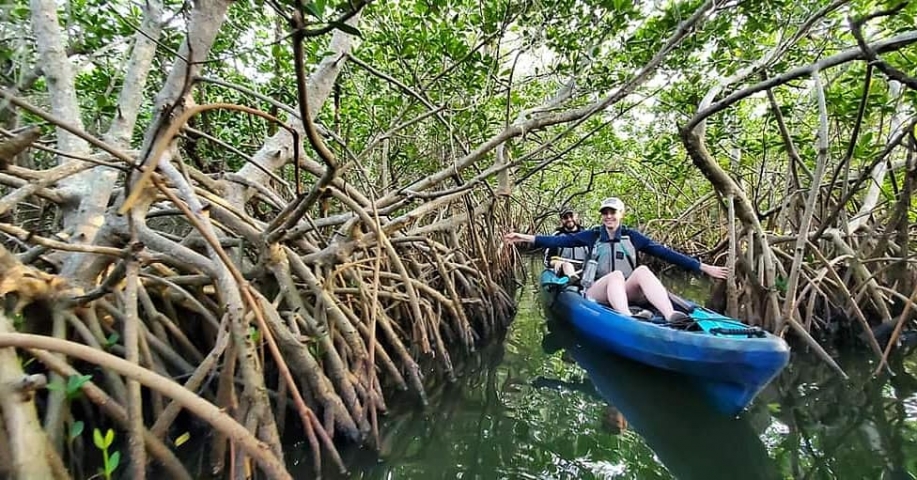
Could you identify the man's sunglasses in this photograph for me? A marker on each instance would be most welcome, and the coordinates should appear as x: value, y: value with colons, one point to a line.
x: 566, y: 216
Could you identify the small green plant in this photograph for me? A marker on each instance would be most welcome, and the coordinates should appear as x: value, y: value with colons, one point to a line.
x: 109, y: 462
x: 111, y: 341
x: 254, y: 335
x: 76, y: 429
x: 73, y: 390
x: 74, y: 386
x: 18, y: 321
x: 780, y: 284
x: 315, y: 346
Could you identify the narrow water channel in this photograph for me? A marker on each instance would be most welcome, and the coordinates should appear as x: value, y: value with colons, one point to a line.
x: 539, y: 406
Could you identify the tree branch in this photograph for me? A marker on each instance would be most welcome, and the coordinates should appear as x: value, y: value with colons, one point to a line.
x: 59, y: 74
x: 680, y: 34
x: 856, y: 28
x: 894, y: 43
x: 28, y: 442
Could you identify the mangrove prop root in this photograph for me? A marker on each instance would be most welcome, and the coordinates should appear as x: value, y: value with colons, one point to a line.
x: 189, y: 400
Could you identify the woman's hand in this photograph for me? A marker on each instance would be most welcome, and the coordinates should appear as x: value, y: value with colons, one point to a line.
x: 516, y: 237
x: 714, y: 271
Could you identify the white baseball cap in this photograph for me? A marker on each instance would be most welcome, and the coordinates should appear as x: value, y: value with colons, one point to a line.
x: 612, y: 202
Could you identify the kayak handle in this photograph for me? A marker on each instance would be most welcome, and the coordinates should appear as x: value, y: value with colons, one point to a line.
x: 751, y: 331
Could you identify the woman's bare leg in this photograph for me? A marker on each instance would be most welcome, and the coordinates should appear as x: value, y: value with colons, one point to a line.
x: 610, y: 290
x: 643, y: 284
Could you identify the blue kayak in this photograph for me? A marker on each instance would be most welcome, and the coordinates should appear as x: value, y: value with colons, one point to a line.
x: 730, y: 360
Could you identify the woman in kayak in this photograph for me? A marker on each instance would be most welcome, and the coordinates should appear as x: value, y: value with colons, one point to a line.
x: 620, y: 280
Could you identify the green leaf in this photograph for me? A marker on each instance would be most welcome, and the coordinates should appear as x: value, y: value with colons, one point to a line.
x: 109, y: 438
x: 780, y: 284
x: 56, y: 385
x: 113, y: 462
x: 97, y: 439
x: 18, y: 321
x: 112, y: 340
x: 346, y: 28
x: 182, y: 439
x: 312, y: 9
x: 75, y: 383
x: 76, y: 429
x: 21, y: 11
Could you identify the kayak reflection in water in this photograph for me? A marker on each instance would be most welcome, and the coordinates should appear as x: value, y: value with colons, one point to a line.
x: 675, y: 420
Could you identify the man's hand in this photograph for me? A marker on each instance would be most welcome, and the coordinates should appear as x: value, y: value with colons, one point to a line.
x: 516, y: 237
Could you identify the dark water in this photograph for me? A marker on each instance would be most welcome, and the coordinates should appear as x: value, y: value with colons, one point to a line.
x: 539, y: 405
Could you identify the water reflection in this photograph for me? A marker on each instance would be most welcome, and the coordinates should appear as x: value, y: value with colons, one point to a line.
x: 538, y: 405
x: 829, y: 428
x: 688, y: 435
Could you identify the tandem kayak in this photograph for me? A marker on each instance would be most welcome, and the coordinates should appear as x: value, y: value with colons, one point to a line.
x: 728, y: 359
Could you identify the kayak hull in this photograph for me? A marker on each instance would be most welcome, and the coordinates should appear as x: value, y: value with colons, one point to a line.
x: 731, y: 368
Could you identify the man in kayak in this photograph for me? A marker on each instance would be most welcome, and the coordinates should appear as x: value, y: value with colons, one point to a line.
x: 614, y: 247
x: 565, y: 260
